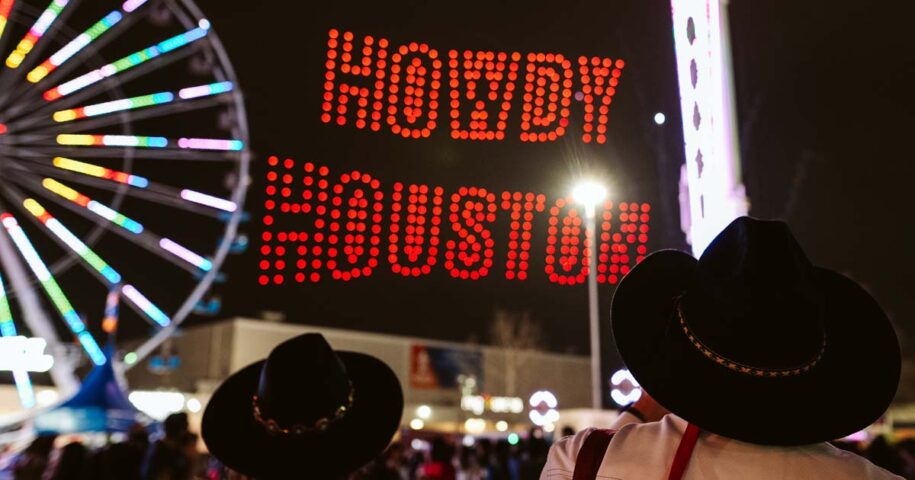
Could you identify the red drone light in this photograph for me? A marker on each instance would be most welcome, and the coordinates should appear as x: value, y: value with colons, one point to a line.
x: 332, y: 226
x: 369, y: 89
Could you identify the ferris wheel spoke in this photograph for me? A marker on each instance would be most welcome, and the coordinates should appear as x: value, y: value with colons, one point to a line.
x: 113, y: 22
x: 33, y: 106
x: 137, y: 58
x: 142, y: 101
x: 143, y: 306
x: 45, y: 150
x: 133, y: 231
x: 91, y: 260
x: 164, y: 191
x: 54, y: 14
x: 64, y: 236
x: 141, y: 187
x: 141, y: 107
x: 41, y: 26
x: 51, y: 288
x: 68, y: 112
x: 8, y: 329
x: 140, y: 141
x: 79, y: 89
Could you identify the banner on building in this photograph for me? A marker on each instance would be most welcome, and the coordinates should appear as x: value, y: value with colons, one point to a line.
x: 437, y: 367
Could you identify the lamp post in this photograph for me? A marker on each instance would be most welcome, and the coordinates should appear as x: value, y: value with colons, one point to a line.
x: 590, y: 194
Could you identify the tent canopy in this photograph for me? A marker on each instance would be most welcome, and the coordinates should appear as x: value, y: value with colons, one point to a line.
x: 100, y: 405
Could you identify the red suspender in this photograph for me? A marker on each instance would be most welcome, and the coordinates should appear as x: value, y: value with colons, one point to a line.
x: 684, y: 452
x: 592, y: 454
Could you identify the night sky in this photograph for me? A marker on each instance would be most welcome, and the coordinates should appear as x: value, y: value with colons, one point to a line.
x: 825, y: 109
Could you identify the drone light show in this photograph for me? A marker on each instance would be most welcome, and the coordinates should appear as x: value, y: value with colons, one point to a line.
x: 321, y: 224
x: 399, y: 89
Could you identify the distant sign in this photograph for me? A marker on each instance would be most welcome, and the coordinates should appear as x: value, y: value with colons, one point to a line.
x: 436, y: 367
x: 24, y: 354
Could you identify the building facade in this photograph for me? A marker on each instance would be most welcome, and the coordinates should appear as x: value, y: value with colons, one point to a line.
x: 445, y: 384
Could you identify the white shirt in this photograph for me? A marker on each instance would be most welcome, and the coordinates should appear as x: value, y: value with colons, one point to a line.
x: 645, y: 451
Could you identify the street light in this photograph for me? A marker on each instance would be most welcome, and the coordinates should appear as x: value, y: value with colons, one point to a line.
x: 590, y: 194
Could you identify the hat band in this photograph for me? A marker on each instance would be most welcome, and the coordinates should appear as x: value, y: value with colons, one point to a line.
x: 739, y: 367
x: 320, y: 425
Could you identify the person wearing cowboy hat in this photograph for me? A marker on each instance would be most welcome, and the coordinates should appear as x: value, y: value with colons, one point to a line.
x: 760, y: 356
x: 306, y: 411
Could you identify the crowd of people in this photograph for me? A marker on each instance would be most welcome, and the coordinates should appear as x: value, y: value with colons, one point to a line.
x: 442, y: 457
x: 750, y: 323
x: 450, y: 458
x: 171, y: 455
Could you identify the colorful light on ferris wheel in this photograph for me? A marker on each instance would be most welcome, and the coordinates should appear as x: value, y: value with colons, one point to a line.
x: 131, y: 5
x: 84, y: 140
x: 50, y: 286
x: 35, y: 33
x: 210, y: 144
x: 128, y: 62
x: 72, y: 241
x: 113, y: 106
x: 7, y: 327
x: 143, y: 303
x: 74, y: 47
x: 6, y: 6
x: 93, y: 206
x: 183, y: 253
x: 205, y: 90
x: 209, y: 200
x: 100, y: 172
x: 141, y: 102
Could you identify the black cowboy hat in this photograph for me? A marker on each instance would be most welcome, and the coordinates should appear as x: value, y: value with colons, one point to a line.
x: 306, y: 411
x: 753, y: 342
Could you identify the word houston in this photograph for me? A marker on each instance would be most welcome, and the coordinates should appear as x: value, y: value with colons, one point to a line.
x: 375, y: 85
x: 320, y: 225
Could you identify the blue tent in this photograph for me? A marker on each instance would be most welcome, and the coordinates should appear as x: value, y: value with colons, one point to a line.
x: 100, y: 405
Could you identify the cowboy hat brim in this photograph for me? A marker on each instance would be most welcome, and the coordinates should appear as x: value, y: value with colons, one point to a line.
x: 234, y: 437
x: 849, y: 389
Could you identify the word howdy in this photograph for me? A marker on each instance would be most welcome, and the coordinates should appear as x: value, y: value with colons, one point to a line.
x: 320, y: 225
x: 375, y: 85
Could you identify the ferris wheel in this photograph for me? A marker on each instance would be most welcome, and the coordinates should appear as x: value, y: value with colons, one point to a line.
x: 123, y: 167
